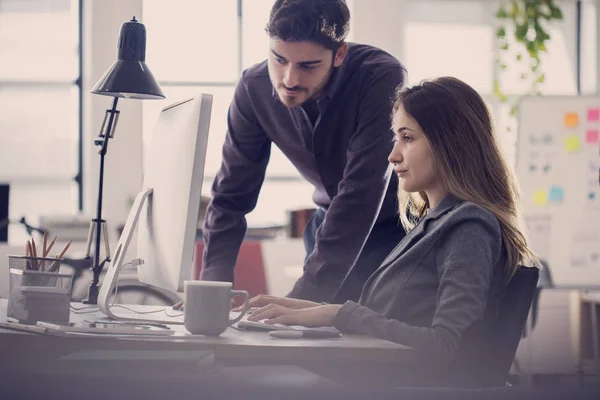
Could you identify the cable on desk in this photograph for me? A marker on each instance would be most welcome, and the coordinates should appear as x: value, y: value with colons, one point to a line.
x: 93, y: 309
x: 134, y: 263
x: 81, y: 310
x: 137, y: 262
x: 139, y: 312
x: 172, y: 315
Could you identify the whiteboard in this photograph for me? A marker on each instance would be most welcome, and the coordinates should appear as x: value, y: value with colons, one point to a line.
x: 558, y: 167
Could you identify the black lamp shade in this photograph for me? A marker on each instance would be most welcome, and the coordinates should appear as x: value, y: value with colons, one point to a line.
x: 129, y: 76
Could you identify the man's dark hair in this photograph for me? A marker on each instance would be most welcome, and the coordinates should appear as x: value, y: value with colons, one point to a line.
x: 325, y: 22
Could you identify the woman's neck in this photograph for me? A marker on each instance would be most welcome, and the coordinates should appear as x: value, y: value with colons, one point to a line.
x: 435, y: 196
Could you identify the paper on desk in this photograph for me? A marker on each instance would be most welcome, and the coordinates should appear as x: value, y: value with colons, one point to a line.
x: 25, y: 328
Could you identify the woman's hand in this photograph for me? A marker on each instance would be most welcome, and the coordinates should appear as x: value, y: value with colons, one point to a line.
x: 321, y: 315
x: 263, y: 300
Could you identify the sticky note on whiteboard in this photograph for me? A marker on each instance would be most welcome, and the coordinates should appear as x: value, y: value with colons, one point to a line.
x: 556, y: 194
x: 572, y: 143
x: 591, y: 136
x: 540, y: 198
x: 571, y: 120
x: 593, y: 114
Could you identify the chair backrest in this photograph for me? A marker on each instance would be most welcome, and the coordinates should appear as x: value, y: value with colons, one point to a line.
x: 513, y: 310
x: 488, y: 348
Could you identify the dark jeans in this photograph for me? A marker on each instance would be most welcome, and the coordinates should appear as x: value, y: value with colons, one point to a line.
x: 384, y: 236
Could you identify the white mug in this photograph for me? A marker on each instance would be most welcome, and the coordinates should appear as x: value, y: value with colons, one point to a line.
x: 207, y: 305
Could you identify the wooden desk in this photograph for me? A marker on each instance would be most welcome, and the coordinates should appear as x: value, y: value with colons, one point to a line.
x: 25, y: 354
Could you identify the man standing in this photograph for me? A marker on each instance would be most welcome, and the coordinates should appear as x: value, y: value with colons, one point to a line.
x: 326, y: 104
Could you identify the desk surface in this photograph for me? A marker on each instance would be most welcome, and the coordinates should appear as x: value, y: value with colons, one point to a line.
x: 249, y: 347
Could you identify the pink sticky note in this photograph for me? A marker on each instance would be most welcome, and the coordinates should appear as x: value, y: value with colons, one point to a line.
x: 591, y: 136
x: 593, y: 114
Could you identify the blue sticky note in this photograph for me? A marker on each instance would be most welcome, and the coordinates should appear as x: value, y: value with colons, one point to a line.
x: 556, y: 194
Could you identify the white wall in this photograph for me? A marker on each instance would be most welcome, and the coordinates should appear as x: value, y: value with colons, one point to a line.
x: 379, y: 23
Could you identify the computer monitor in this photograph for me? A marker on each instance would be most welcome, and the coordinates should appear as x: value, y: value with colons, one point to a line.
x: 168, y: 207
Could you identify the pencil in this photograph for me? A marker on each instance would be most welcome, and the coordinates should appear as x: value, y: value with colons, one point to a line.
x: 62, y: 253
x: 56, y: 263
x: 42, y: 263
x: 50, y: 247
x: 34, y: 254
x: 28, y: 254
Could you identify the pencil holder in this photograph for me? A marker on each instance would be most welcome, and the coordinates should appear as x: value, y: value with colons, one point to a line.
x: 37, y: 295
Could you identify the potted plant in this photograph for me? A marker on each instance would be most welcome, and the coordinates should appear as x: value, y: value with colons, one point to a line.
x: 522, y: 29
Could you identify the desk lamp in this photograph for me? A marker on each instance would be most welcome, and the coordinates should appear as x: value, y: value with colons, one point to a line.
x: 128, y: 77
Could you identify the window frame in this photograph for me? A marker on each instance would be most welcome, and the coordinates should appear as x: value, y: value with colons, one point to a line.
x: 77, y: 84
x: 232, y: 84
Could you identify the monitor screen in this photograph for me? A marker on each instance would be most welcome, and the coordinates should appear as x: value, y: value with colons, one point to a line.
x: 166, y: 212
x: 174, y: 170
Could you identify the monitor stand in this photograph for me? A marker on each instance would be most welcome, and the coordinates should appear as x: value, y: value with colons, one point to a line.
x: 112, y: 274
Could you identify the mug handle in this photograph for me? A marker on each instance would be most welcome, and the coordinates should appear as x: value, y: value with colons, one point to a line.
x: 245, y: 305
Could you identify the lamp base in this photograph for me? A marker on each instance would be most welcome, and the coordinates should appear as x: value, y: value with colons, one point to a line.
x: 92, y: 294
x: 97, y: 269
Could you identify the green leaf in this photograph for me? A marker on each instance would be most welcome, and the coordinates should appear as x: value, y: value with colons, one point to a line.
x: 498, y: 92
x: 532, y: 50
x: 501, y: 13
x: 541, y: 78
x: 521, y: 31
x: 555, y: 13
x: 519, y: 56
x: 545, y: 36
x: 501, y: 32
x: 514, y: 10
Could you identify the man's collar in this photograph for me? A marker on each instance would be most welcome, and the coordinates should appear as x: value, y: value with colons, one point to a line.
x: 336, y: 78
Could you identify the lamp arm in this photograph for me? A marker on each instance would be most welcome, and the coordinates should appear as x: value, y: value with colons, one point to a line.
x: 104, y: 136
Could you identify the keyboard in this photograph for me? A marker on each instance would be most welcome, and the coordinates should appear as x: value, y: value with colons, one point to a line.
x: 246, y: 325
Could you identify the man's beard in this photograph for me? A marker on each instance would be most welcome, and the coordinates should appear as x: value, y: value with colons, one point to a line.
x: 299, y: 89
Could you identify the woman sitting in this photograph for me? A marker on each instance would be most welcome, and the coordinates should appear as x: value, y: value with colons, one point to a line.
x: 460, y: 204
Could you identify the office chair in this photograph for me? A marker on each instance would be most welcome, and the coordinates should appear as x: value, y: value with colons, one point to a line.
x: 488, y: 348
x: 544, y: 282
